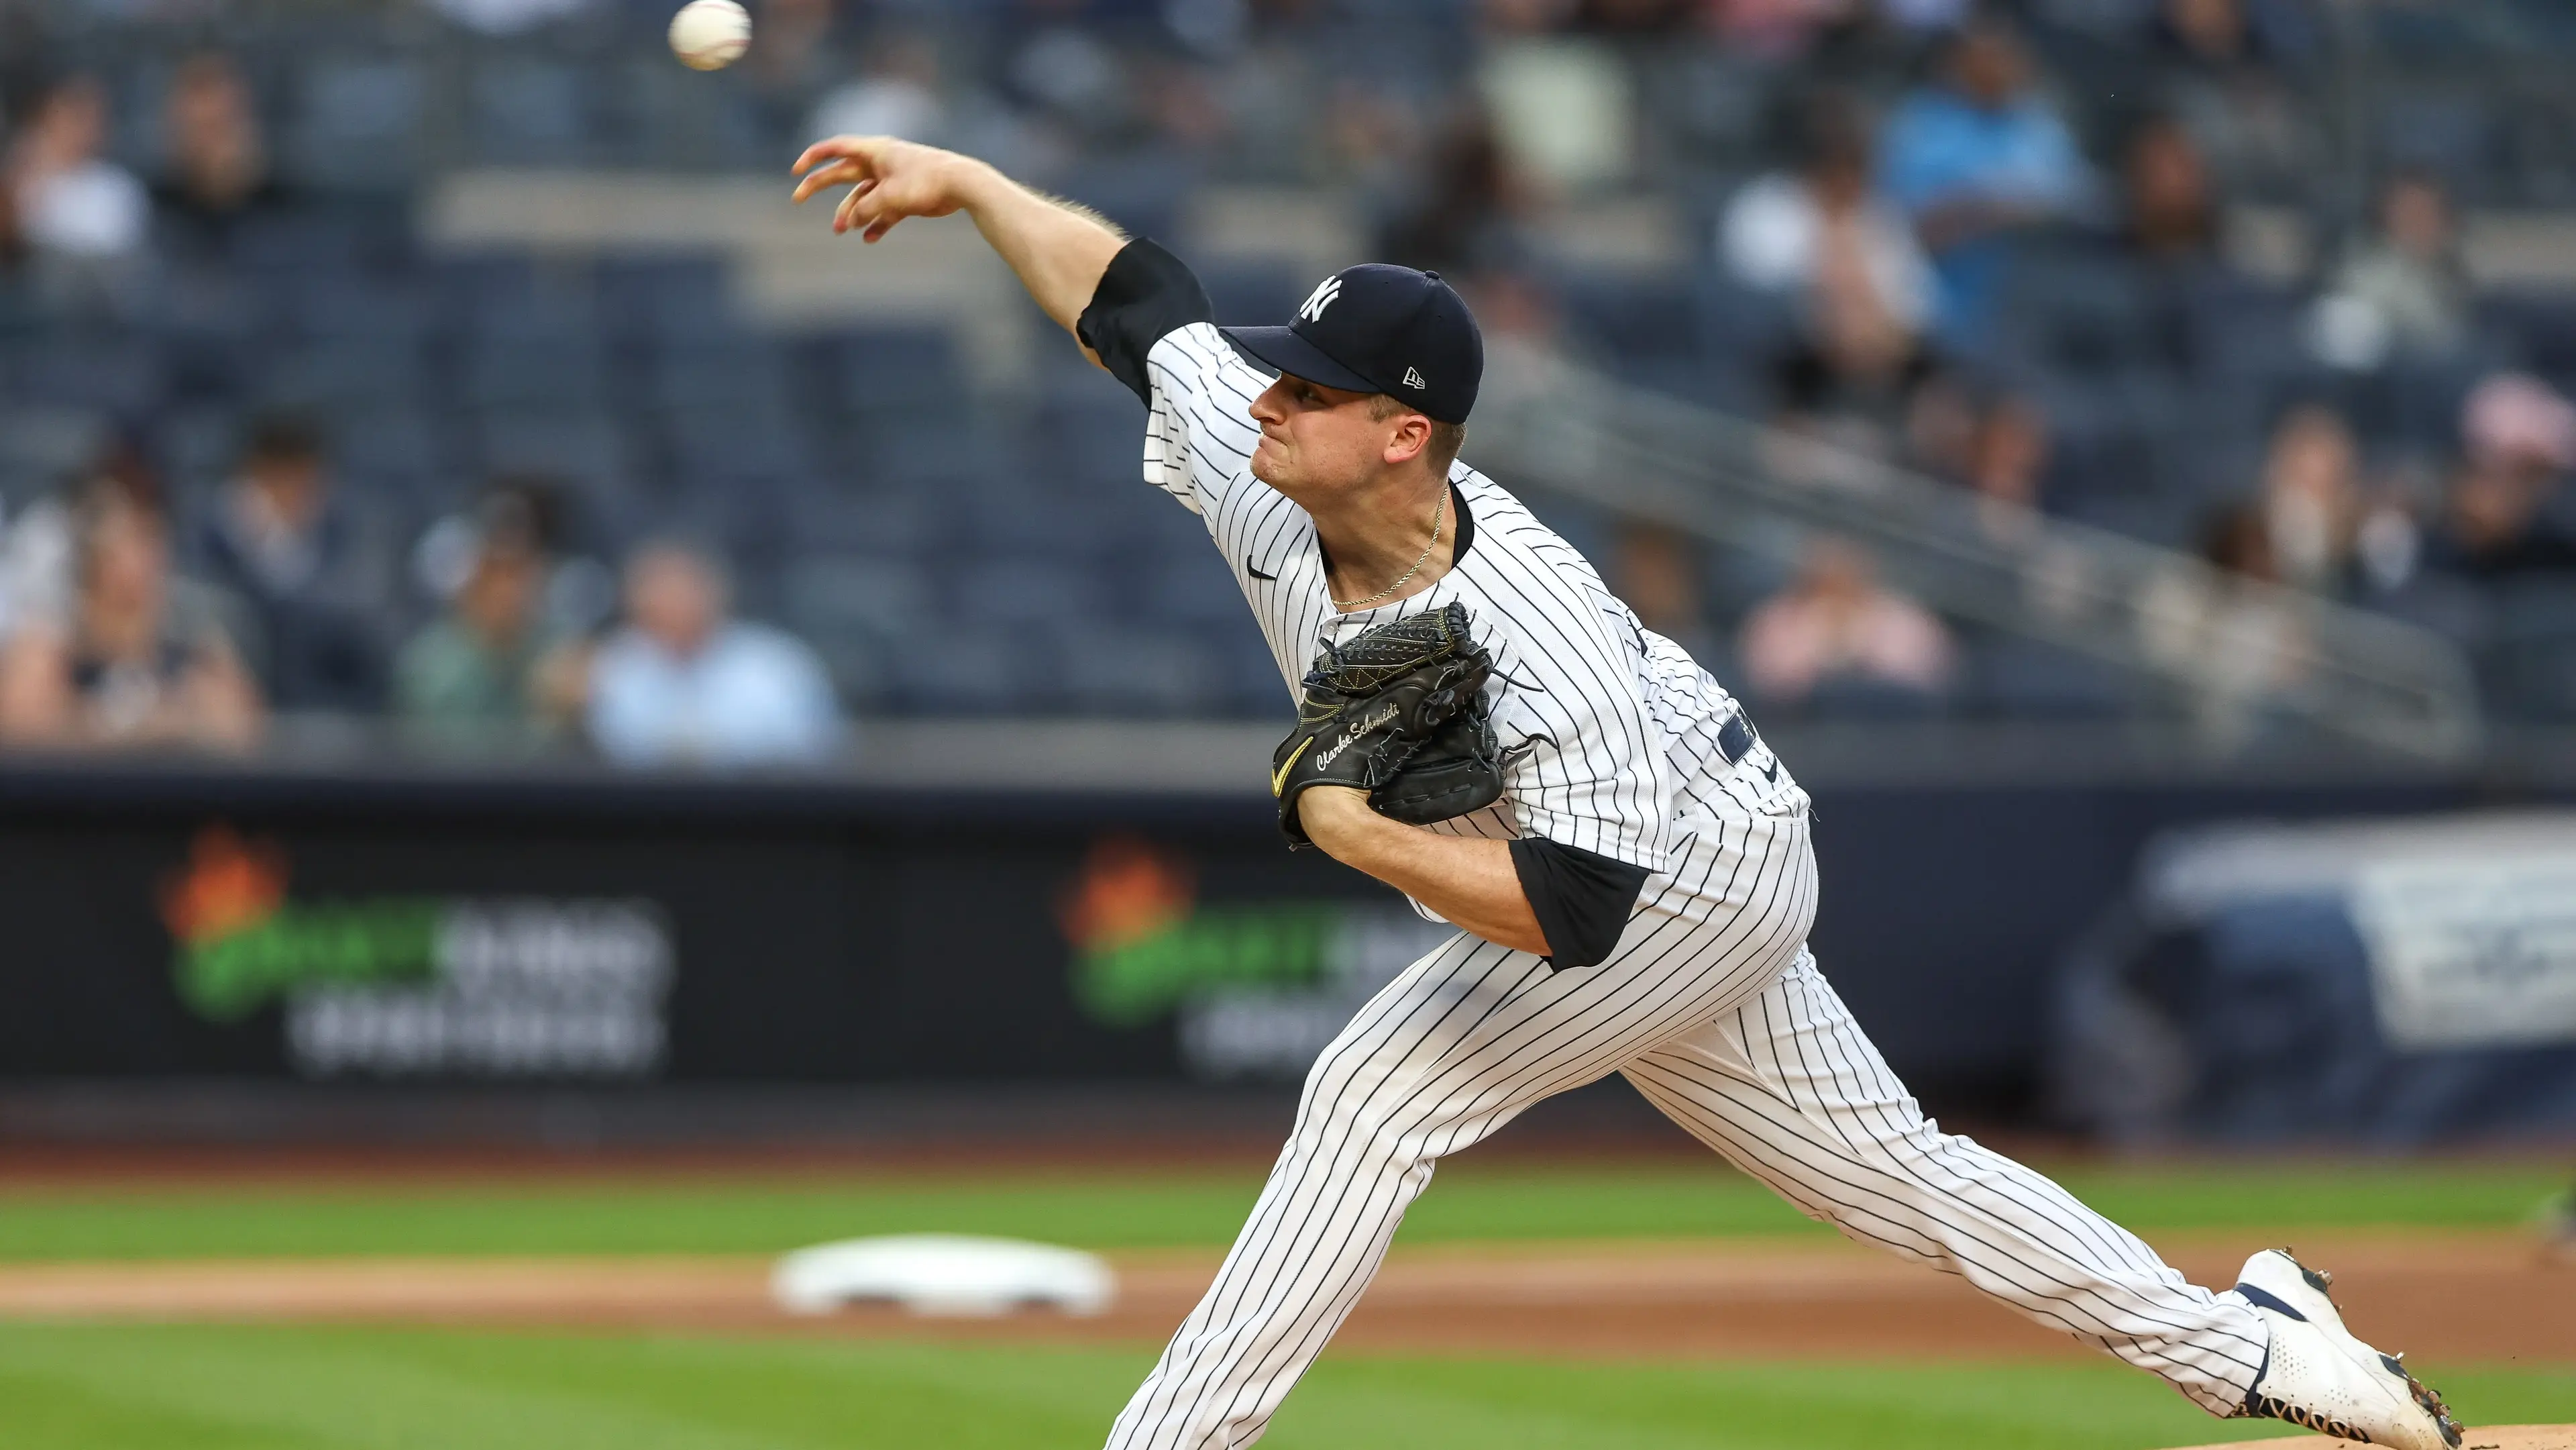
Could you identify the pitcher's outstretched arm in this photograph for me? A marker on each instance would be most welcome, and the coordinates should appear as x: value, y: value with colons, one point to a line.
x: 1059, y: 248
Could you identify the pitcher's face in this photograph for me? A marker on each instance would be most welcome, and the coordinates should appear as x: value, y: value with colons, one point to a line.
x: 1318, y: 441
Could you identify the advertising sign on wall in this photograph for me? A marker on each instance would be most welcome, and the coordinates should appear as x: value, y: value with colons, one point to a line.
x: 525, y: 948
x: 400, y: 986
x: 1255, y: 989
x: 2475, y: 950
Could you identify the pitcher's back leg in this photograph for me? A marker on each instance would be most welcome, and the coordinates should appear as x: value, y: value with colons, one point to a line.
x: 1788, y: 1088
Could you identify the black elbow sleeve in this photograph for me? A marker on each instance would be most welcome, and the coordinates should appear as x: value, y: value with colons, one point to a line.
x: 1581, y: 899
x: 1146, y: 295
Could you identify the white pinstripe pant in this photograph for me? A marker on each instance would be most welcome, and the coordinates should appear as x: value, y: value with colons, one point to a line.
x: 1714, y: 1010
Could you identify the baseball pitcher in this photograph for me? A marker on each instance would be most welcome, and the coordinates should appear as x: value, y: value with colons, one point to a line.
x: 1485, y: 727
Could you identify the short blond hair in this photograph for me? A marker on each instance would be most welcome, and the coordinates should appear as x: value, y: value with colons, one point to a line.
x: 1446, y: 438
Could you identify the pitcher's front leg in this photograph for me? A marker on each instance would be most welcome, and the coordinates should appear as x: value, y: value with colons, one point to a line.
x: 1379, y: 1107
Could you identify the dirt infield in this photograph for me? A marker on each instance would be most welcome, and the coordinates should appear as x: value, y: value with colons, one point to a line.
x: 2476, y: 1298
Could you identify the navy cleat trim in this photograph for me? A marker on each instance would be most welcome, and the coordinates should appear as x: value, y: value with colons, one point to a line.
x: 2262, y: 1299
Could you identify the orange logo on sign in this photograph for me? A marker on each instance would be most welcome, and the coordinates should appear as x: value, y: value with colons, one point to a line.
x: 1128, y: 891
x: 229, y: 885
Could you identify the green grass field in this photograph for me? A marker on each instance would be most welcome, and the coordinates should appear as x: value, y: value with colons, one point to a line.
x: 203, y: 1387
x: 1092, y: 1209
x: 101, y: 1388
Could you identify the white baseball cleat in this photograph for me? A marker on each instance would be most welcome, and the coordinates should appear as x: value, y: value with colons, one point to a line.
x: 2319, y: 1376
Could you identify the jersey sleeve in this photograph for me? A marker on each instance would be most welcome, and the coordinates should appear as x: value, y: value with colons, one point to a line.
x: 1199, y: 433
x: 1149, y: 321
x: 1583, y: 766
x: 1581, y: 900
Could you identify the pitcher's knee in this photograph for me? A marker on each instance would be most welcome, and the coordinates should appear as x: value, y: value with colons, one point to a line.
x: 1334, y: 1110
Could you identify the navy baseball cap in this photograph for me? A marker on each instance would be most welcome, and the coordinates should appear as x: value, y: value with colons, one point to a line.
x: 1376, y: 328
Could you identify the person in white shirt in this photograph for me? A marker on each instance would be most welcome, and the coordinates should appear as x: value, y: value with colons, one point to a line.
x: 1820, y: 238
x: 74, y: 205
x: 684, y: 684
x: 1843, y: 264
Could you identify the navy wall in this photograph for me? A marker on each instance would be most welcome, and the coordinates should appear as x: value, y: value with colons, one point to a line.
x: 826, y: 933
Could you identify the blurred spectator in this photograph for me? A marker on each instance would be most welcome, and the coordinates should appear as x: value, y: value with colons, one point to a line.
x: 215, y: 169
x: 896, y: 95
x: 2404, y: 291
x: 77, y: 212
x: 2164, y: 245
x: 493, y: 670
x: 2230, y: 76
x: 1845, y: 261
x: 683, y: 684
x: 2212, y: 35
x: 35, y: 564
x: 140, y: 660
x: 1466, y: 215
x: 307, y: 561
x: 1974, y: 159
x: 2519, y: 438
x: 1941, y: 422
x: 2327, y: 528
x: 2228, y: 635
x: 37, y: 547
x: 2168, y: 217
x: 1994, y: 444
x: 1836, y: 622
x: 2311, y: 499
x: 1773, y: 28
x: 13, y: 243
x: 2007, y: 463
x: 1563, y: 110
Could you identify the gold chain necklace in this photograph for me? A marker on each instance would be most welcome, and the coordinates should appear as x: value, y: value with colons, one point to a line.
x: 1439, y: 511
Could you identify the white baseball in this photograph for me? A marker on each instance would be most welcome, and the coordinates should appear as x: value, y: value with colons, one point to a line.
x: 710, y: 34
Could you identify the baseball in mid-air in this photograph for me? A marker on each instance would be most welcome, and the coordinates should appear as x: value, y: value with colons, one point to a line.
x: 710, y: 34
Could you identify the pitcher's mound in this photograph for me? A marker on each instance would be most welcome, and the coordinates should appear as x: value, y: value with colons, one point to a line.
x: 2484, y: 1437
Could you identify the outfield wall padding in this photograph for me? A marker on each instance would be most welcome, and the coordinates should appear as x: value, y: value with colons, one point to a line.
x: 171, y: 922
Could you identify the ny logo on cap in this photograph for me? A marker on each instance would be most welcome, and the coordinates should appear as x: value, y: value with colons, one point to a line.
x: 1321, y: 298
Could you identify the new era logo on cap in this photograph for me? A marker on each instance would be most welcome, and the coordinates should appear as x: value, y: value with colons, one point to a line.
x: 1380, y: 329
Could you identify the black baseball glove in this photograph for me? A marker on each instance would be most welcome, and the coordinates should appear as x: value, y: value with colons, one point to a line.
x: 1398, y: 712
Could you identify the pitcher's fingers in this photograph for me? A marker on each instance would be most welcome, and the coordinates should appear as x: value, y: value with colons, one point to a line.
x: 865, y: 203
x: 836, y: 174
x: 823, y: 176
x: 880, y: 227
x: 860, y: 148
x: 854, y: 208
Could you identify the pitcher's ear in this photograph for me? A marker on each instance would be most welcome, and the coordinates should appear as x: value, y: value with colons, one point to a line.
x: 1412, y: 436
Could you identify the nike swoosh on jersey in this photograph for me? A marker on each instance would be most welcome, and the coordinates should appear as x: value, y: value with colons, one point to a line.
x: 1256, y: 573
x: 1279, y: 777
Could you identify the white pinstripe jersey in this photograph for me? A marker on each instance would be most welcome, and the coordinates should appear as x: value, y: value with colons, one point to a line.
x: 1610, y: 731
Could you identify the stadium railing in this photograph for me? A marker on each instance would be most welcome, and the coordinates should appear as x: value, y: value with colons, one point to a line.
x: 2237, y: 653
